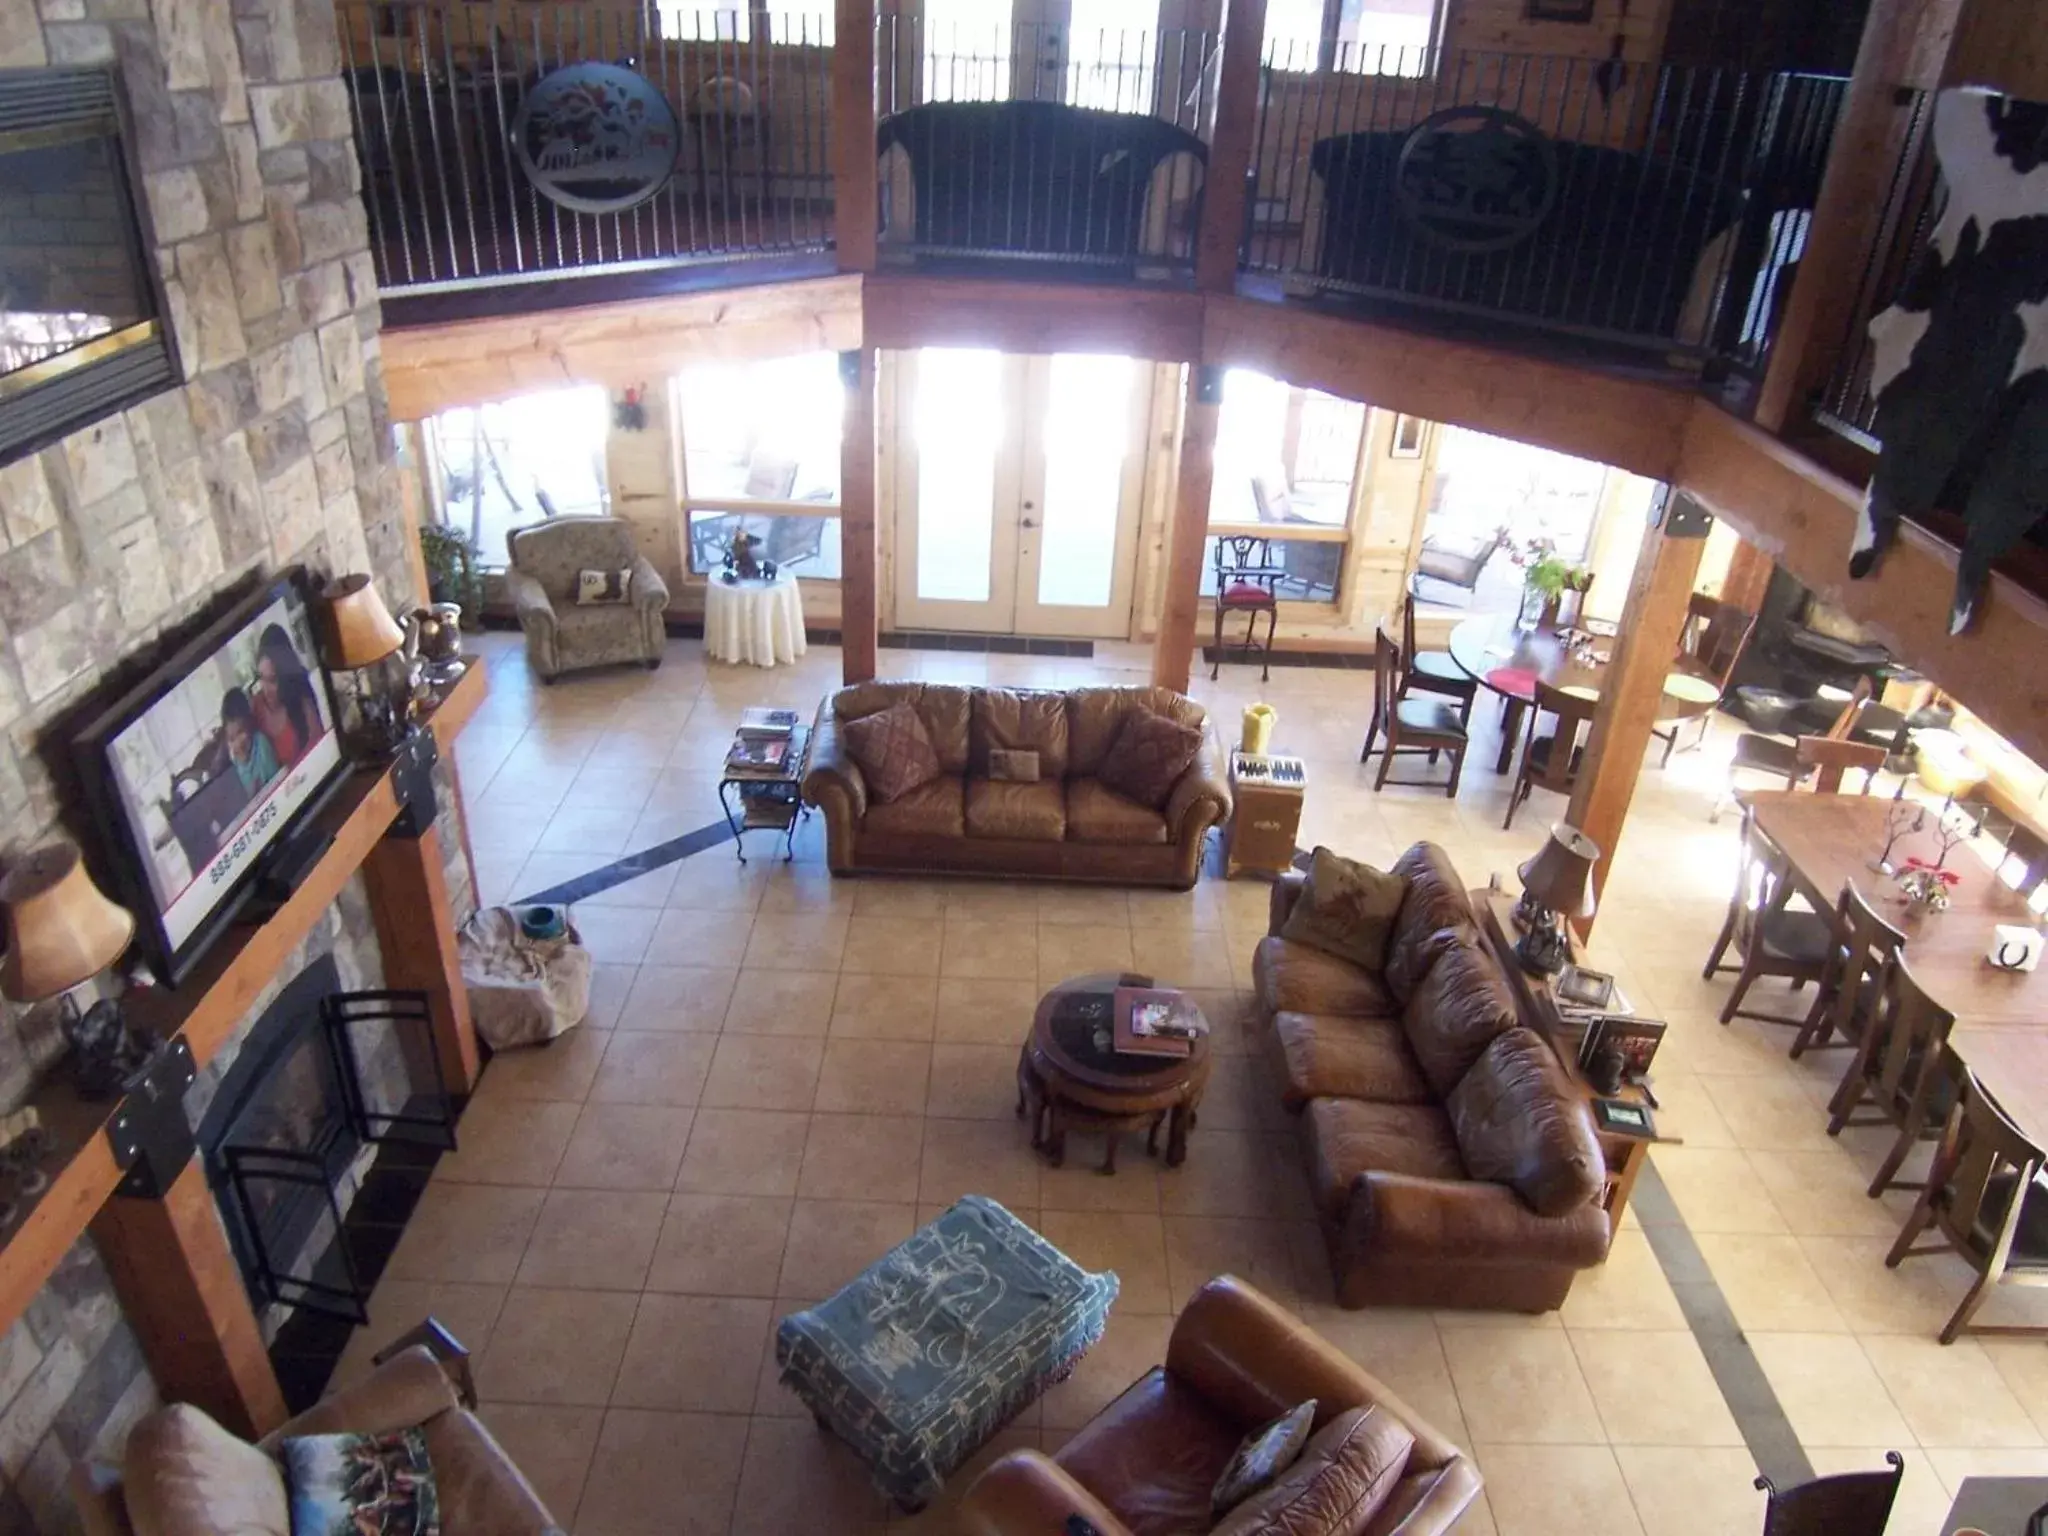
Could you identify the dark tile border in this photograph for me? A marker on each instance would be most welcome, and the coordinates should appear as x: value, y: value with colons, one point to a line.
x: 1335, y: 661
x: 632, y: 866
x: 1004, y: 645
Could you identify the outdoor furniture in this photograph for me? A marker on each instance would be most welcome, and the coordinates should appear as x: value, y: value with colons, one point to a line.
x: 1771, y: 937
x: 1411, y: 725
x: 1898, y: 1069
x: 1433, y: 671
x: 1848, y: 991
x: 1982, y: 1201
x: 1454, y: 567
x: 1552, y: 762
x: 941, y: 1342
x: 1710, y: 648
x: 1847, y: 1504
x: 1247, y: 582
x: 563, y: 635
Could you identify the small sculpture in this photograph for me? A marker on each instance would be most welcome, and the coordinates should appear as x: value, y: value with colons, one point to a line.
x: 739, y: 556
x: 106, y: 1053
x: 1903, y: 816
x: 1927, y: 885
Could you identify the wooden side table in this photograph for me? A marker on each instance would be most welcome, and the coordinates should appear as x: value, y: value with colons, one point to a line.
x: 1266, y: 794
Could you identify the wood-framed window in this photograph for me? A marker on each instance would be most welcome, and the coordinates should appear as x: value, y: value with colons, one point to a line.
x: 1353, y: 37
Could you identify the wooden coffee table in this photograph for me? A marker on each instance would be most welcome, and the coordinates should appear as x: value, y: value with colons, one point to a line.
x: 1068, y: 1076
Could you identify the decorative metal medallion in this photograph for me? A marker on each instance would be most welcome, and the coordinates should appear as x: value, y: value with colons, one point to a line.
x: 1475, y: 178
x: 596, y: 138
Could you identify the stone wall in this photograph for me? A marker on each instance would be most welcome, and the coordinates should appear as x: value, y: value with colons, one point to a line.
x: 120, y: 539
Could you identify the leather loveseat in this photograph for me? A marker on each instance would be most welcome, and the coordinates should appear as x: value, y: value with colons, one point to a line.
x: 1067, y: 825
x: 1145, y: 1465
x: 1453, y: 1161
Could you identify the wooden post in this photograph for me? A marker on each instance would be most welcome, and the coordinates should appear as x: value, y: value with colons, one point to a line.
x: 182, y: 1293
x: 1230, y: 147
x: 859, y: 629
x: 1748, y: 578
x: 408, y: 891
x: 1632, y: 692
x: 1173, y: 651
x: 853, y: 135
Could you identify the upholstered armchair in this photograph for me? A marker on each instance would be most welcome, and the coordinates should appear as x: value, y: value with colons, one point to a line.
x: 563, y: 635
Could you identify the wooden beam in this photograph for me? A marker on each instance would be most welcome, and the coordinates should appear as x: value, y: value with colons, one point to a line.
x: 1224, y: 182
x: 1173, y: 651
x: 1629, y: 423
x: 905, y: 310
x: 434, y: 368
x: 408, y: 890
x: 1632, y: 692
x: 854, y: 207
x: 182, y: 1293
x: 859, y: 626
x: 1748, y: 578
x: 2002, y: 44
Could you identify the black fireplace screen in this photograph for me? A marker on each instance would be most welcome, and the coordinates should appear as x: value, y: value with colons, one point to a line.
x: 81, y: 319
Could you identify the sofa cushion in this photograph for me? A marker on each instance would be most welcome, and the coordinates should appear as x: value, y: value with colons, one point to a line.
x: 931, y: 810
x: 1098, y: 814
x: 1153, y: 1455
x: 1327, y: 1056
x: 894, y: 751
x: 362, y: 1484
x: 1344, y: 1475
x: 1347, y: 909
x: 1519, y: 1123
x: 1347, y: 1137
x: 1148, y: 757
x: 1096, y: 715
x: 184, y: 1475
x: 1018, y: 719
x: 1034, y: 811
x: 1262, y: 1455
x: 1455, y: 1012
x: 1297, y: 978
x: 1434, y: 904
x: 946, y: 709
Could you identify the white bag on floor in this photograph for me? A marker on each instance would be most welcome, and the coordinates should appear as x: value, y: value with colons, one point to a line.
x: 522, y: 991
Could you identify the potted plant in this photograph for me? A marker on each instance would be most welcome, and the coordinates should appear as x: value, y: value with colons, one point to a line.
x: 452, y: 574
x: 1547, y: 579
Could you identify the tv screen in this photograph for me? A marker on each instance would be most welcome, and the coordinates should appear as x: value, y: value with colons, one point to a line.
x: 204, y: 766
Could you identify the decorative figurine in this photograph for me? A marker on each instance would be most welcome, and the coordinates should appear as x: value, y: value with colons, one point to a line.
x: 106, y: 1053
x: 1927, y: 885
x: 739, y: 556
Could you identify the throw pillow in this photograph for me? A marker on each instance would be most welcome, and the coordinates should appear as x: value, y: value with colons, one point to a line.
x: 1262, y: 1456
x: 1345, y: 1475
x: 596, y: 589
x: 1148, y: 757
x: 1347, y: 910
x: 1013, y: 765
x: 894, y: 750
x: 183, y: 1475
x: 364, y: 1485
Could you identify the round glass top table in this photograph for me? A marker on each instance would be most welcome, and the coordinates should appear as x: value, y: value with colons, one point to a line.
x: 1511, y: 662
x: 1070, y: 1074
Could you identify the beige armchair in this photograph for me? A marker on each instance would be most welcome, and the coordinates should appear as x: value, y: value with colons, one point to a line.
x: 562, y: 636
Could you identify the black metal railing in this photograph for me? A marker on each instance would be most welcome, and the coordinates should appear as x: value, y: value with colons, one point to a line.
x: 436, y: 87
x: 1039, y: 143
x: 1647, y: 205
x: 1912, y: 203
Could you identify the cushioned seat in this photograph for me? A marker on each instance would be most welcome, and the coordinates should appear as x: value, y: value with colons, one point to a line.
x: 1242, y: 594
x: 1154, y: 1454
x: 1035, y: 811
x: 1322, y: 1055
x: 1796, y: 935
x: 1349, y: 1136
x: 1429, y: 717
x: 1441, y: 667
x: 1098, y: 814
x: 936, y: 809
x: 1296, y: 978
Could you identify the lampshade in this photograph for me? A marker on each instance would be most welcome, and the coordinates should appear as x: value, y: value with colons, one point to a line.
x: 1561, y: 874
x: 361, y: 630
x: 60, y: 929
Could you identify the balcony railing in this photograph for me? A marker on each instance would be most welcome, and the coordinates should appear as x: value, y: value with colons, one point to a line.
x: 436, y: 88
x: 1648, y: 205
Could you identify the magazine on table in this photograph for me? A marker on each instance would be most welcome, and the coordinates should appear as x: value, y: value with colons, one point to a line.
x: 760, y: 721
x: 759, y: 756
x: 1151, y: 1021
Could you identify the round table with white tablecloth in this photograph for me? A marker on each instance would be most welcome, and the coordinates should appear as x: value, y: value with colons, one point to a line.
x: 755, y: 621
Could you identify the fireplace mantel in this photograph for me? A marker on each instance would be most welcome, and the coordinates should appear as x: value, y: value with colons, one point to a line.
x: 171, y: 1264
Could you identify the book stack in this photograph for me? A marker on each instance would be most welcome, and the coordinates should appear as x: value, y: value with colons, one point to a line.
x: 1151, y: 1021
x: 765, y: 743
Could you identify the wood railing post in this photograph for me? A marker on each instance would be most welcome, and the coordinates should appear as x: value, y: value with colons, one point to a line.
x: 1173, y: 650
x: 1224, y: 186
x: 859, y: 610
x: 853, y: 135
x: 407, y: 885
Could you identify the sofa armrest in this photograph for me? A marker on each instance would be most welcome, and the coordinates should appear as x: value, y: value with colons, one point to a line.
x: 646, y: 588
x: 407, y: 1389
x: 832, y: 779
x: 1468, y: 1221
x: 1280, y: 904
x: 1026, y: 1493
x: 1204, y: 790
x: 480, y: 1489
x: 530, y: 601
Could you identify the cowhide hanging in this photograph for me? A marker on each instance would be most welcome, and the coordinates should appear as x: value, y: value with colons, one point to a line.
x: 1960, y: 368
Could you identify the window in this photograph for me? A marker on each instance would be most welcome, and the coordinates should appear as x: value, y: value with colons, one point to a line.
x: 1286, y: 461
x: 966, y: 50
x: 1110, y: 45
x: 1358, y: 37
x: 787, y: 22
x: 1488, y: 485
x: 521, y: 461
x: 760, y: 454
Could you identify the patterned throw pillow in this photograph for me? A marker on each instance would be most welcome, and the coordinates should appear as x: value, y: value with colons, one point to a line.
x: 1013, y: 765
x: 1260, y: 1457
x: 894, y: 750
x: 361, y: 1485
x: 1347, y: 910
x: 598, y: 588
x: 1148, y: 757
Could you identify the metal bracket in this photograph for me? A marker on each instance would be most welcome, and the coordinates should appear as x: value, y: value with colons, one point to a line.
x: 151, y: 1138
x: 412, y: 776
x: 1685, y: 518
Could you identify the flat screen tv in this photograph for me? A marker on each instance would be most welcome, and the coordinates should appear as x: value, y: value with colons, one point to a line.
x: 207, y: 764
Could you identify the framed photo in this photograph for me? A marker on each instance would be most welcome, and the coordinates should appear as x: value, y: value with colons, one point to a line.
x: 1407, y: 442
x: 1623, y: 1118
x: 1583, y: 987
x: 1558, y: 10
x: 1636, y: 1039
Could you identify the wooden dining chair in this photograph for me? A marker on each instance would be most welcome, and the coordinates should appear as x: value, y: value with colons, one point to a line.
x: 1982, y: 1199
x: 1411, y: 725
x: 1897, y: 1070
x: 1433, y: 671
x: 1847, y: 1504
x: 1768, y: 754
x: 1710, y: 647
x: 1848, y: 992
x: 1827, y: 760
x: 1247, y: 582
x: 1552, y: 762
x: 1770, y: 936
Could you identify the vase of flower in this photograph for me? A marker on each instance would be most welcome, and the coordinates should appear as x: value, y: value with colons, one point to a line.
x: 1548, y: 582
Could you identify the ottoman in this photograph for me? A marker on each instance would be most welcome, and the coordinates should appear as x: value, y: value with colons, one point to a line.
x: 941, y: 1342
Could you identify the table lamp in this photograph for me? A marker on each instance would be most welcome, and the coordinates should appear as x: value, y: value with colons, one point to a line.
x: 362, y: 638
x: 61, y: 933
x: 1556, y: 884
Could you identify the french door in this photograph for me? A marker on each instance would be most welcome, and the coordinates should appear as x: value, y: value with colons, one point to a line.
x: 1017, y: 490
x: 1089, y: 53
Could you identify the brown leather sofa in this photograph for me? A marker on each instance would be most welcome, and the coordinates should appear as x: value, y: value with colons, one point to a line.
x: 1453, y: 1161
x: 1145, y: 1465
x: 1066, y: 826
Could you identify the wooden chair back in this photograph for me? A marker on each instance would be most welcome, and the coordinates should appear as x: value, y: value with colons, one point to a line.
x: 1245, y: 559
x: 1912, y: 1028
x: 1983, y: 1160
x: 1847, y: 1504
x: 1408, y: 628
x: 1574, y: 716
x: 1867, y: 941
x: 1833, y: 757
x: 1386, y: 673
x: 1714, y: 637
x: 1845, y: 722
x: 1762, y: 883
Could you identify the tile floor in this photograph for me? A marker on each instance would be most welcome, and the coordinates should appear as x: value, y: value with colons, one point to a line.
x: 782, y: 1075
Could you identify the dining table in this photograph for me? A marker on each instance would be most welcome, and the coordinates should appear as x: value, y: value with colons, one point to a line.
x: 1505, y: 659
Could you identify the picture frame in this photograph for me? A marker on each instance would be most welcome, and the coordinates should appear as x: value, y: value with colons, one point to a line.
x: 1408, y: 437
x: 1619, y: 1117
x: 1580, y: 11
x: 1636, y: 1039
x: 1581, y: 986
